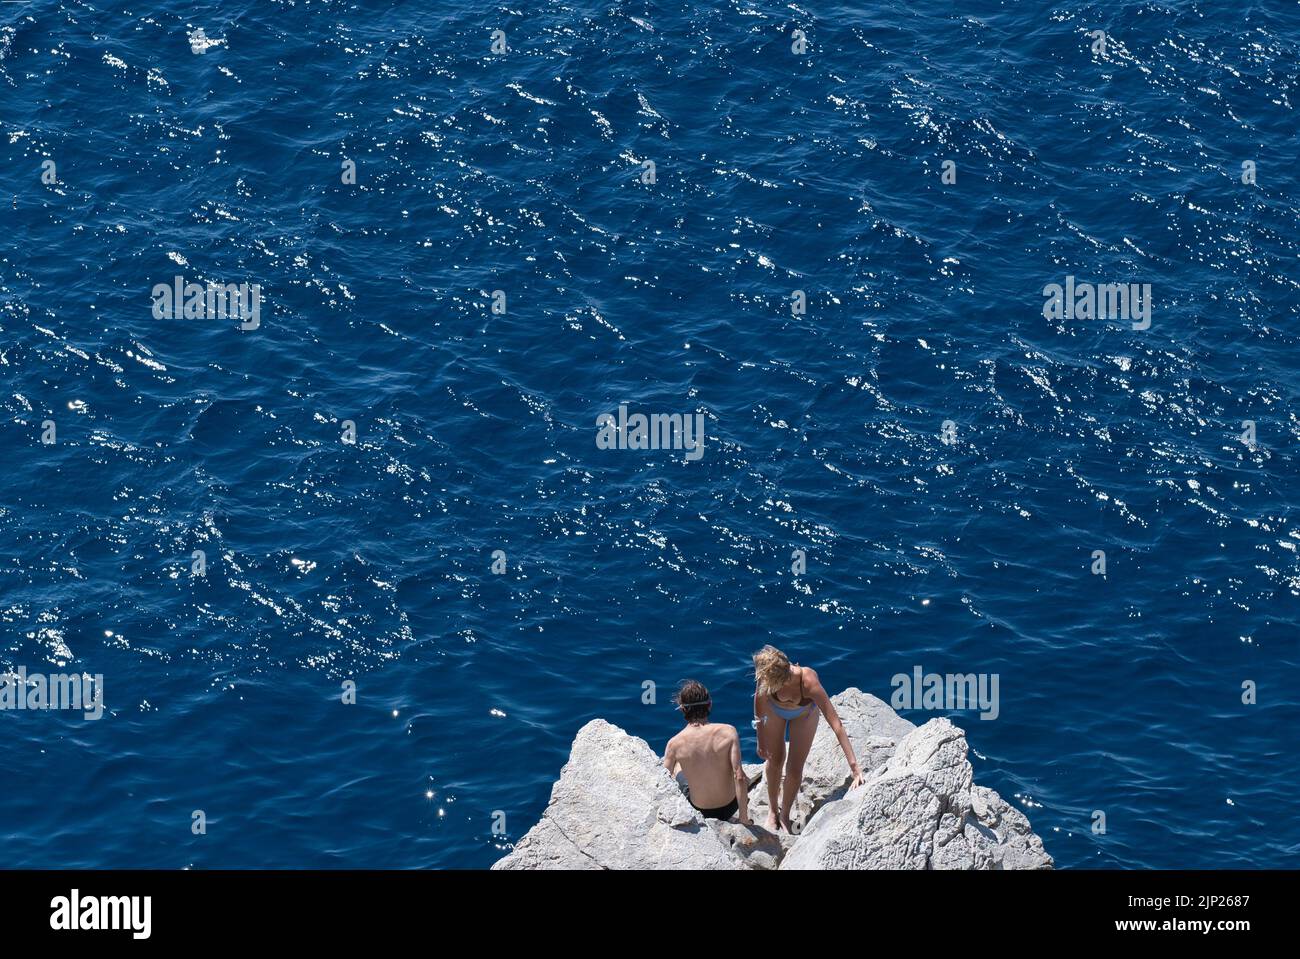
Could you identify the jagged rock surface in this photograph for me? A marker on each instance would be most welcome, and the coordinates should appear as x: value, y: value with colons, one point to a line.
x: 616, y: 807
x: 919, y: 812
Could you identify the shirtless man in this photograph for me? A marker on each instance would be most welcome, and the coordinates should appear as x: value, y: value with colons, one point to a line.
x: 709, y: 754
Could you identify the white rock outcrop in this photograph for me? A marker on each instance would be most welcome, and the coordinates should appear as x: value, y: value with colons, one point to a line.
x: 920, y: 811
x: 616, y: 807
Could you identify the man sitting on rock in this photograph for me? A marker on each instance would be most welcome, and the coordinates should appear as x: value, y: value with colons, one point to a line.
x: 709, y: 756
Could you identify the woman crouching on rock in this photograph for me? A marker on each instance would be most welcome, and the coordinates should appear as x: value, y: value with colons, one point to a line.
x: 789, y: 698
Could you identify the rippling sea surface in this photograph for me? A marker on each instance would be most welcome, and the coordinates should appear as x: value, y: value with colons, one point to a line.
x: 521, y: 172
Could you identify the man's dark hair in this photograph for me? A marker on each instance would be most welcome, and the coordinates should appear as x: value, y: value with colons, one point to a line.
x: 694, y: 701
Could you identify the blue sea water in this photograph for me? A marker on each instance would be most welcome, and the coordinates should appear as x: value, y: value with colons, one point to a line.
x: 520, y: 172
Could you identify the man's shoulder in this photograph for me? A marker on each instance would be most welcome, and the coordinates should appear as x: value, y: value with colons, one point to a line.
x: 727, y: 731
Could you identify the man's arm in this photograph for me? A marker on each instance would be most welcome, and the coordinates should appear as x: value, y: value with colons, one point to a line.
x: 824, y: 703
x: 670, y: 757
x: 742, y: 781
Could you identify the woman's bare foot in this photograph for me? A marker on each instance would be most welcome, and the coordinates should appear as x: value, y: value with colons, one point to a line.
x: 772, y: 825
x: 785, y: 821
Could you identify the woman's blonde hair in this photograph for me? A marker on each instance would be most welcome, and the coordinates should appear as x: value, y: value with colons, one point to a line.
x: 771, y: 669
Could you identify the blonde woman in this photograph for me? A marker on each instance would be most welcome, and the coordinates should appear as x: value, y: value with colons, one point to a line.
x: 788, y: 698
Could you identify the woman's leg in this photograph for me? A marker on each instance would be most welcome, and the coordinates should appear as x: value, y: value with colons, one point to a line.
x: 802, y: 731
x: 771, y: 736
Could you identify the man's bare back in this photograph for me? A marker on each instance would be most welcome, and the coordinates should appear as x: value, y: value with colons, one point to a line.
x: 709, y: 756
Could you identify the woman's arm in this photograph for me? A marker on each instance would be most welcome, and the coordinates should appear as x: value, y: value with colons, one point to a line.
x: 758, y: 722
x: 742, y: 781
x: 813, y: 686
